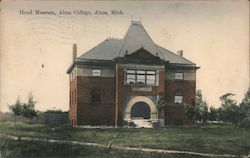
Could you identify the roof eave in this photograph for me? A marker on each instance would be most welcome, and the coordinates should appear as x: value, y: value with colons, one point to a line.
x: 178, y: 65
x: 70, y: 67
x: 80, y: 61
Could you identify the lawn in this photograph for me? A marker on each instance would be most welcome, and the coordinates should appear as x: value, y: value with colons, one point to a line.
x: 23, y: 149
x: 216, y: 139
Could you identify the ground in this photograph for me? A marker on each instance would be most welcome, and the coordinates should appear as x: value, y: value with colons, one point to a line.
x: 215, y: 139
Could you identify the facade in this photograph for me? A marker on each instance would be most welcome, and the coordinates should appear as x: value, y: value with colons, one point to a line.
x: 123, y: 80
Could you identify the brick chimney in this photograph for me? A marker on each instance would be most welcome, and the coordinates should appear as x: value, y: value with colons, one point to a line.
x: 74, y: 51
x: 180, y: 53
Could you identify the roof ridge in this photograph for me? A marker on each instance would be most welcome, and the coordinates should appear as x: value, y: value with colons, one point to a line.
x: 135, y: 37
x: 120, y: 49
x: 149, y: 37
x: 124, y: 40
x: 138, y: 36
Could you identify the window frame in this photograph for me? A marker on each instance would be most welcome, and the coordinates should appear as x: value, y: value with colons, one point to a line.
x: 154, y: 74
x: 143, y: 76
x: 182, y: 76
x: 93, y: 69
x: 178, y: 94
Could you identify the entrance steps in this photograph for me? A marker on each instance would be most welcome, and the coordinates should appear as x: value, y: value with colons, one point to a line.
x: 142, y: 123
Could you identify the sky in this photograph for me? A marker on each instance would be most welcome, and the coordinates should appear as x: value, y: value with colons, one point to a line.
x: 36, y: 50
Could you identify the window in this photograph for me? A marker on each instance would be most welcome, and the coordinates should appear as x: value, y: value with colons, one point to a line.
x: 141, y: 77
x: 178, y: 76
x: 96, y: 96
x: 150, y: 77
x: 72, y: 97
x: 95, y: 72
x: 178, y: 98
x: 75, y: 96
x: 131, y: 76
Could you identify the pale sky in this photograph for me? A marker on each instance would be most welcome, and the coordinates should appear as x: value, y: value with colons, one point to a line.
x: 213, y: 34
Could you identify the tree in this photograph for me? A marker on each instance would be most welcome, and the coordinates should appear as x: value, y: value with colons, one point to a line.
x: 213, y: 114
x: 190, y: 111
x: 25, y: 109
x: 29, y: 107
x: 229, y: 111
x: 199, y: 112
x: 245, y: 110
x: 201, y: 107
x: 17, y: 108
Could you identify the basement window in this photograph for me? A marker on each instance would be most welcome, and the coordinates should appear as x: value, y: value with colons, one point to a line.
x: 95, y: 72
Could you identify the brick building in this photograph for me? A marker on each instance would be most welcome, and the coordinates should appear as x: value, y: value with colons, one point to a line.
x: 122, y: 80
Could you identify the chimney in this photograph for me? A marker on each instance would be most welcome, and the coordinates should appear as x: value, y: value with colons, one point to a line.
x: 74, y: 51
x: 180, y: 53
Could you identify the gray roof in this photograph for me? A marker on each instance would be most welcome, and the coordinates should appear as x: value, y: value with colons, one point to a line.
x: 135, y: 38
x: 106, y: 50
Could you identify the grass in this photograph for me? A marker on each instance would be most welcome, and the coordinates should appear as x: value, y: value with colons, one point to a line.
x: 22, y: 149
x: 216, y: 139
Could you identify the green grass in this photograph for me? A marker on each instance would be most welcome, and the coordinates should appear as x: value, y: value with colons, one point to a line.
x: 23, y: 149
x: 216, y: 139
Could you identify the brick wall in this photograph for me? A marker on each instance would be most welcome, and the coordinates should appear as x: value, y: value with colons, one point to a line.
x: 102, y: 113
x: 72, y: 102
x: 187, y: 88
x: 84, y: 112
x: 175, y: 114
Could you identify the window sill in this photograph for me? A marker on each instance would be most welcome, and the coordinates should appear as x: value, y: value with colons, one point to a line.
x: 141, y: 85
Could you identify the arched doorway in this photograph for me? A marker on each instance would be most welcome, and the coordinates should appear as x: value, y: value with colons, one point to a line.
x: 141, y: 100
x: 140, y: 110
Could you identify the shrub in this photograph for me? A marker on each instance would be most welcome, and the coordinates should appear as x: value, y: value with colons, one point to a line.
x: 25, y: 109
x: 17, y: 108
x: 245, y: 111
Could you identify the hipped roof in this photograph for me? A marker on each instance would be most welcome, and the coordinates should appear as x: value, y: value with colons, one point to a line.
x: 135, y: 38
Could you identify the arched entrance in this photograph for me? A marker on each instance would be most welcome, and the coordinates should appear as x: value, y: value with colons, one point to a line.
x: 140, y: 110
x: 138, y: 102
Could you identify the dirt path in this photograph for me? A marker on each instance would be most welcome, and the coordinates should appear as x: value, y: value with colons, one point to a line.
x: 111, y: 146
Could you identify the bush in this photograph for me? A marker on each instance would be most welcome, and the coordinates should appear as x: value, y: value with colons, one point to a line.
x: 17, y: 108
x: 229, y: 111
x: 213, y: 114
x: 199, y: 112
x: 24, y: 109
x: 245, y: 111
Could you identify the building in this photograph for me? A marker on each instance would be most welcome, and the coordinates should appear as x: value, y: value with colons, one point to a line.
x: 121, y: 80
